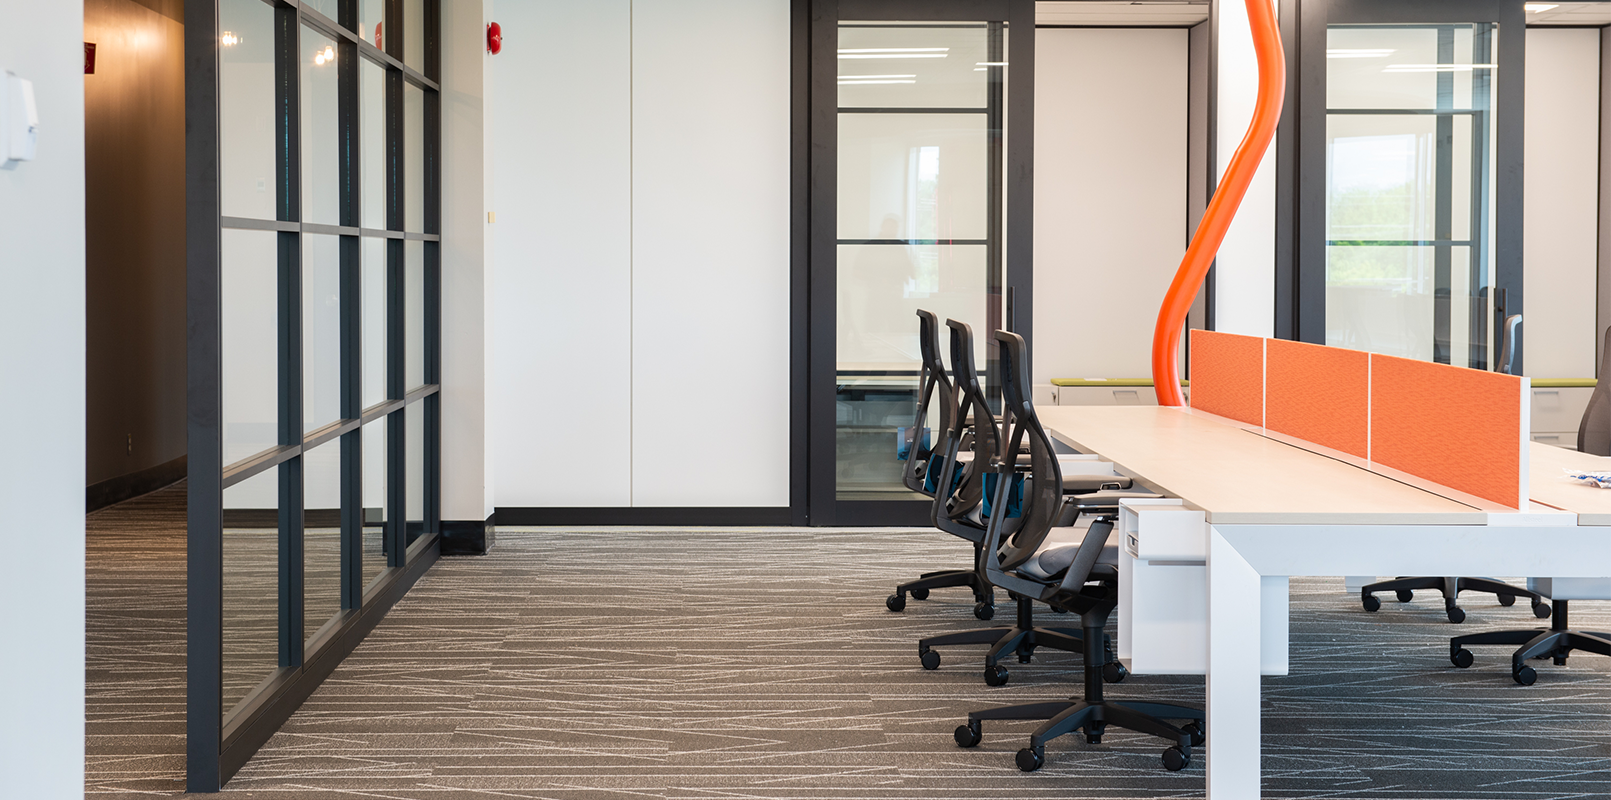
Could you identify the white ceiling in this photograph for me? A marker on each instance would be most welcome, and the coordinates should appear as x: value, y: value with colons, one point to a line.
x: 1123, y: 12
x: 1571, y: 14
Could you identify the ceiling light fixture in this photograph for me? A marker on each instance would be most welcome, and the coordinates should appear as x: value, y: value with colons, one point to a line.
x: 1435, y: 67
x: 1534, y: 8
x: 871, y: 77
x: 1360, y: 52
x: 872, y: 83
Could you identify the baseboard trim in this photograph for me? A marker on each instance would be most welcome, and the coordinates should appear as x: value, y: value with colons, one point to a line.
x: 641, y: 516
x: 468, y: 537
x: 127, y: 487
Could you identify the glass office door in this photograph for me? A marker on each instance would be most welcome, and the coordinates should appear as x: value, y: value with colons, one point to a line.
x: 1409, y: 212
x: 917, y: 214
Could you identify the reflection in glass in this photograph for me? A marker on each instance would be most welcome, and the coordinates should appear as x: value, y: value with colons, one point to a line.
x: 246, y: 108
x: 250, y: 342
x: 373, y: 324
x: 251, y: 598
x: 376, y: 546
x: 371, y: 19
x: 321, y: 330
x: 321, y: 536
x: 1409, y: 190
x: 328, y: 8
x: 414, y: 468
x: 372, y: 130
x: 414, y: 314
x: 320, y: 134
x: 413, y: 158
x: 917, y: 221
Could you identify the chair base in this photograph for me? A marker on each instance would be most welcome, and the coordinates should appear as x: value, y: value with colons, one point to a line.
x: 1022, y: 639
x: 1555, y: 642
x: 1093, y: 715
x: 1450, y: 588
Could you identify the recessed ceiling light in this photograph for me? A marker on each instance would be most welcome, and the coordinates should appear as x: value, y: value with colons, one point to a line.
x: 1537, y: 7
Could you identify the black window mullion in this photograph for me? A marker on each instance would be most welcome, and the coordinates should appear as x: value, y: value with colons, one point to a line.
x: 349, y: 118
x: 995, y: 280
x: 433, y: 38
x: 1443, y: 205
x: 288, y: 162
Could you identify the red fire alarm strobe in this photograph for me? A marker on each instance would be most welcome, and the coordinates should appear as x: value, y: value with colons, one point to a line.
x: 494, y: 38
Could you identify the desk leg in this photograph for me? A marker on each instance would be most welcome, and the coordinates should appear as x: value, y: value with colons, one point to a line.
x: 1233, y: 672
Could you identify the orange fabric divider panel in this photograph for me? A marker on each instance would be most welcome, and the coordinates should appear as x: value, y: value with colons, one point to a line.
x: 1227, y: 375
x: 1456, y: 426
x: 1319, y: 394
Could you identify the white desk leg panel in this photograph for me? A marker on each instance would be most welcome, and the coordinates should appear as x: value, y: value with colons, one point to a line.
x: 1234, y: 627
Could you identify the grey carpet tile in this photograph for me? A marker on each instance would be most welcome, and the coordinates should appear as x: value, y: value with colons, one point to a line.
x: 714, y: 664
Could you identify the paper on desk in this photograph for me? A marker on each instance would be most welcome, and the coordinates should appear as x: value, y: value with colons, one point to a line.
x: 1599, y: 479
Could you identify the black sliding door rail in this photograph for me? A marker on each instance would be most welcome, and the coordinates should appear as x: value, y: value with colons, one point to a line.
x: 220, y: 740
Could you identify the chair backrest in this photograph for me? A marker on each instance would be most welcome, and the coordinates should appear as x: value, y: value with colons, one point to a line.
x: 1507, y: 345
x: 1594, y: 432
x: 934, y: 385
x: 971, y: 403
x: 1043, y: 489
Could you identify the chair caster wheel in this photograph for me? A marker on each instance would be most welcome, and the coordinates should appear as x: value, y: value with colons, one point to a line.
x: 1525, y: 676
x: 1030, y: 759
x: 1405, y: 595
x: 1114, y: 672
x: 1176, y: 759
x: 1456, y: 614
x: 1093, y: 738
x: 920, y: 594
x: 1197, y: 732
x: 896, y: 602
x: 968, y: 735
x: 1056, y: 610
x: 1026, y: 655
x: 1541, y: 610
x: 1507, y: 599
x: 996, y: 675
x: 1461, y: 658
x: 984, y: 611
x: 1370, y: 602
x: 930, y: 659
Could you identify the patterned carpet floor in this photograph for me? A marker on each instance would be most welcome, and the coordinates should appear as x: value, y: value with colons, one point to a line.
x: 745, y: 663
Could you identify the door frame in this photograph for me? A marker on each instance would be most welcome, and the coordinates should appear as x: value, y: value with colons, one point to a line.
x: 813, y: 245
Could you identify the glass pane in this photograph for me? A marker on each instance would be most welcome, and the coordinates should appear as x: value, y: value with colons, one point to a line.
x: 250, y: 321
x: 329, y: 8
x: 376, y: 546
x: 895, y: 65
x: 320, y: 134
x: 372, y: 133
x: 414, y: 418
x: 1409, y: 196
x: 321, y: 330
x: 913, y: 176
x: 251, y: 581
x: 371, y: 16
x: 246, y: 108
x: 374, y: 321
x: 413, y: 159
x: 414, y: 313
x: 321, y: 536
x: 414, y: 34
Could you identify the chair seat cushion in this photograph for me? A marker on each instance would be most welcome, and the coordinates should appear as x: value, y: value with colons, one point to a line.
x: 1058, y: 552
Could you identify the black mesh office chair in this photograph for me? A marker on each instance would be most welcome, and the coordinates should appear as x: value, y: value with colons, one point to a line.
x: 962, y: 512
x: 1081, y: 578
x: 936, y: 386
x: 1558, y: 640
x: 1451, y: 587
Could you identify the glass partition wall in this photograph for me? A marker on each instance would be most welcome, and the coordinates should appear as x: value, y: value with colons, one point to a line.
x: 916, y: 216
x: 1409, y: 190
x: 314, y: 282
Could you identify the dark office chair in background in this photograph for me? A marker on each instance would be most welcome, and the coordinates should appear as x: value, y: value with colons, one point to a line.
x: 935, y: 386
x: 1082, y: 579
x: 1451, y: 587
x: 1558, y: 640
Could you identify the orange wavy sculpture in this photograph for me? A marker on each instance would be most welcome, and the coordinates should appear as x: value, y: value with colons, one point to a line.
x: 1222, y: 208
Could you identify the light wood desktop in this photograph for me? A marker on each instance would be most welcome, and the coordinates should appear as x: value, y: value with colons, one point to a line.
x: 1549, y: 485
x: 1270, y: 510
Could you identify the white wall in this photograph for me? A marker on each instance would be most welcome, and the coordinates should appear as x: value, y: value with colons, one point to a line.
x: 1561, y: 216
x: 466, y: 461
x: 1244, y: 274
x: 42, y: 480
x: 1110, y: 194
x: 642, y: 258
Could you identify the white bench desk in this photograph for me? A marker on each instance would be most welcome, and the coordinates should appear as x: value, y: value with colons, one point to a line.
x: 1257, y: 510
